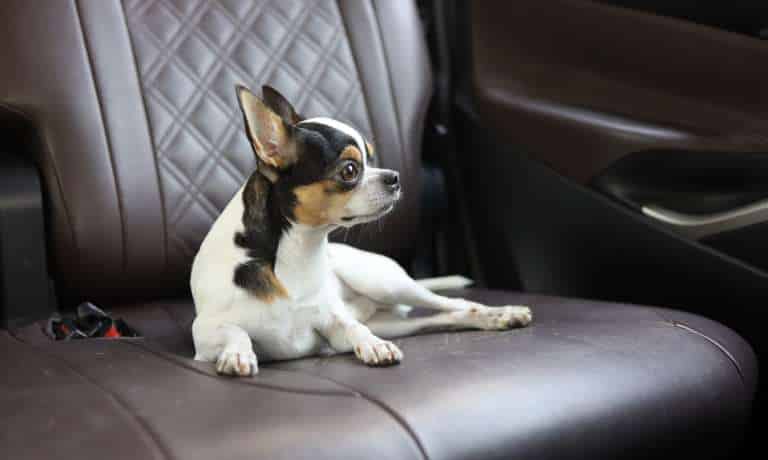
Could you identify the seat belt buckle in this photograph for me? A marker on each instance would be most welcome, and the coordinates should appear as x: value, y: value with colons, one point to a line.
x: 89, y: 321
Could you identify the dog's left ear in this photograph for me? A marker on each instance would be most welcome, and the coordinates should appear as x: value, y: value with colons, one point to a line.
x: 271, y: 137
x: 280, y: 104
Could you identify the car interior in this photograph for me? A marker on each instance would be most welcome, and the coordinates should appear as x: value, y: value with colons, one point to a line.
x: 603, y: 162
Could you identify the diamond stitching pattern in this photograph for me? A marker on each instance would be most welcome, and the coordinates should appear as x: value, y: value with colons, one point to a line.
x: 191, y: 53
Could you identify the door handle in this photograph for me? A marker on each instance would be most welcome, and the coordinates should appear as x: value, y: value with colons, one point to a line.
x: 698, y: 226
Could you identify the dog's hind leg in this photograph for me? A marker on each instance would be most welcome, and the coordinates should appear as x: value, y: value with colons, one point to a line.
x: 389, y: 325
x: 384, y: 281
x: 226, y: 344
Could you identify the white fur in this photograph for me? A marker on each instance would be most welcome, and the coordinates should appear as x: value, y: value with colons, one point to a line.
x: 339, y: 296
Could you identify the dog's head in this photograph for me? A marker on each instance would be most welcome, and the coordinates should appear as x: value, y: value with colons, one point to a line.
x: 322, y: 170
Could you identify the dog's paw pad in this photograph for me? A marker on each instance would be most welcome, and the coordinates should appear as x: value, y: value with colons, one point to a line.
x: 517, y: 315
x: 524, y: 315
x: 237, y: 363
x: 500, y: 318
x: 378, y: 353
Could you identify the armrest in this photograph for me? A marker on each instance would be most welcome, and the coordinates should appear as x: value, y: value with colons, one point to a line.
x: 25, y: 288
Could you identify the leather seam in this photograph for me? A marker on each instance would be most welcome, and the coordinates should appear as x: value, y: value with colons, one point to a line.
x: 310, y: 84
x: 715, y: 343
x: 151, y: 136
x: 107, y: 136
x: 363, y: 86
x: 111, y: 396
x: 141, y: 343
x: 173, y: 319
x: 390, y: 85
x: 399, y: 419
x: 239, y: 381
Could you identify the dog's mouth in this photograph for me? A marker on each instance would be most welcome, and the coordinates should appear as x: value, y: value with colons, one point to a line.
x: 374, y: 215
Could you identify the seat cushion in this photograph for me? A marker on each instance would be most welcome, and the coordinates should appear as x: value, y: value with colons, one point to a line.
x: 587, y: 378
x: 123, y: 399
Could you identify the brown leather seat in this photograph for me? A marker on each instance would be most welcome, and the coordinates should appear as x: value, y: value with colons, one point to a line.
x: 143, y: 147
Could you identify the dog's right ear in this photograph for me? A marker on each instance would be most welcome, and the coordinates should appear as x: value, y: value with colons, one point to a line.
x: 271, y: 138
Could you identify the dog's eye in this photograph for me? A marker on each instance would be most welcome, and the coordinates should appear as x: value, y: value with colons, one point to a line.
x: 349, y: 172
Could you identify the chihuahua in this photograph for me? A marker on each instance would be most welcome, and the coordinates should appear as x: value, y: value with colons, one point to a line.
x: 266, y: 280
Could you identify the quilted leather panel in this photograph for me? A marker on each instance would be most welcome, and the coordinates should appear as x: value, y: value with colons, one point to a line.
x: 191, y: 53
x: 142, y: 147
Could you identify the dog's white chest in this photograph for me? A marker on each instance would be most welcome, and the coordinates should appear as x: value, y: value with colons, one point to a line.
x: 287, y: 328
x: 286, y: 336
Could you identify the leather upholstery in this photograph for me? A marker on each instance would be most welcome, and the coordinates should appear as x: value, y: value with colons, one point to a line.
x: 120, y: 400
x: 586, y: 380
x: 140, y: 152
x: 141, y: 93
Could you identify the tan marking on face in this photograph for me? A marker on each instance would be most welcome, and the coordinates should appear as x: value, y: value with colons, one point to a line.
x: 320, y: 203
x: 371, y: 154
x: 351, y: 153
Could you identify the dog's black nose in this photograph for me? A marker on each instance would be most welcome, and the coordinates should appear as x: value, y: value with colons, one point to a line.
x: 392, y: 180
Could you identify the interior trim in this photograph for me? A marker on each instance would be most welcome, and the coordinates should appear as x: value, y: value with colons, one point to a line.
x: 587, y: 118
x: 699, y: 226
x: 715, y: 343
x: 571, y: 68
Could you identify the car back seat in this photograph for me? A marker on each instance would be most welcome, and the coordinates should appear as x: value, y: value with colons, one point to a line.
x: 142, y: 146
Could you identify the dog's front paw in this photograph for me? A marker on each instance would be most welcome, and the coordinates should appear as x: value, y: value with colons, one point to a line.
x: 498, y: 318
x: 237, y: 363
x: 377, y: 352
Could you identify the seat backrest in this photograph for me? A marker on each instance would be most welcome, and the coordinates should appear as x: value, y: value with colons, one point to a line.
x: 143, y: 139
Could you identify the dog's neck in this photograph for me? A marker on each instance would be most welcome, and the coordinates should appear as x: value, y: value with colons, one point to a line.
x: 301, y: 263
x: 296, y: 253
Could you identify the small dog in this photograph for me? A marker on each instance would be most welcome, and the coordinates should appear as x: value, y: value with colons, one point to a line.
x: 266, y: 275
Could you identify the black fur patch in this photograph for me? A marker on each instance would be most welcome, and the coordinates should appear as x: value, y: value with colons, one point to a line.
x: 264, y: 224
x: 256, y: 278
x: 334, y: 140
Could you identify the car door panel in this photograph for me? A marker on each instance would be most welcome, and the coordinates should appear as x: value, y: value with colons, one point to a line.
x: 747, y: 18
x: 612, y: 81
x: 589, y: 128
x: 666, y: 117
